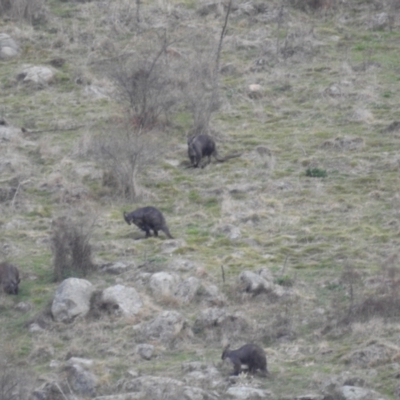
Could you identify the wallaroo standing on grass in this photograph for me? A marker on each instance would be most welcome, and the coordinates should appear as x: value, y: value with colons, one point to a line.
x: 9, y: 278
x: 250, y: 354
x: 146, y: 219
x: 200, y: 146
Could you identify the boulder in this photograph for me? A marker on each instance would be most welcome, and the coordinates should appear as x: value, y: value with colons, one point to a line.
x: 163, y: 284
x: 215, y: 318
x: 165, y: 327
x: 255, y: 91
x: 255, y: 283
x: 8, y: 47
x: 145, y: 351
x: 72, y: 299
x: 116, y: 268
x: 124, y: 300
x: 82, y: 381
x: 187, y: 290
x: 36, y: 74
x: 348, y: 387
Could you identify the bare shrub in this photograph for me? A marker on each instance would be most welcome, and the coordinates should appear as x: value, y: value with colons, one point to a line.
x: 72, y: 253
x: 147, y: 82
x: 200, y: 77
x: 28, y: 10
x: 123, y: 151
x: 203, y: 95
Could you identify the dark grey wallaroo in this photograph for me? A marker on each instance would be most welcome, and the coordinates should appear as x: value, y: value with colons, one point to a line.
x: 148, y: 218
x: 250, y: 354
x: 200, y: 146
x: 9, y: 278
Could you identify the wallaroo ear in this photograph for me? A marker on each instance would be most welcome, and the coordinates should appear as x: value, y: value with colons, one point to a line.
x: 227, y: 347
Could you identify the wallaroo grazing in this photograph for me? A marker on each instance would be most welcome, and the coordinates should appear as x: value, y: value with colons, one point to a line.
x: 200, y: 146
x: 9, y: 278
x: 250, y: 354
x: 148, y: 218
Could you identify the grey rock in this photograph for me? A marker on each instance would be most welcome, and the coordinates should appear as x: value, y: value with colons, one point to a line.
x: 114, y: 268
x: 163, y: 284
x: 125, y: 300
x: 82, y: 382
x: 36, y: 74
x: 165, y: 327
x: 247, y: 393
x: 8, y: 47
x: 72, y: 299
x: 187, y: 289
x: 145, y: 351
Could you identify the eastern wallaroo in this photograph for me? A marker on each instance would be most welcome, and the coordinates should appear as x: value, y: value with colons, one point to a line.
x: 250, y: 354
x: 200, y: 146
x: 146, y: 219
x: 9, y: 278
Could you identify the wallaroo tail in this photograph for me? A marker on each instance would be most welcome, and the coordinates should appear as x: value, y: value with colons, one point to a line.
x: 250, y: 354
x: 148, y: 219
x: 200, y: 146
x: 9, y: 278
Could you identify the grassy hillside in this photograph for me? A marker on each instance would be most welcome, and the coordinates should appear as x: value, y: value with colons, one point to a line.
x: 313, y: 198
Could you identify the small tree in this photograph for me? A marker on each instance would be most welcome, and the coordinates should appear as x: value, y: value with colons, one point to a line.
x: 147, y: 81
x: 203, y: 94
x: 123, y: 151
x: 72, y: 253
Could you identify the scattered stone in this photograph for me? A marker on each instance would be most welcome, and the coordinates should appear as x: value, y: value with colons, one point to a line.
x: 72, y: 299
x: 187, y: 289
x: 163, y: 284
x: 114, y: 268
x: 247, y: 393
x: 82, y: 382
x: 35, y: 328
x: 166, y: 327
x: 254, y: 282
x: 83, y: 362
x: 40, y: 75
x: 218, y: 320
x: 7, y: 132
x: 379, y: 22
x: 123, y: 300
x: 23, y: 307
x: 145, y: 351
x: 8, y: 47
x: 255, y: 91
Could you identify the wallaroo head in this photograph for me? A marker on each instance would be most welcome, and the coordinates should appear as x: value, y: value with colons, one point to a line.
x: 9, y: 278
